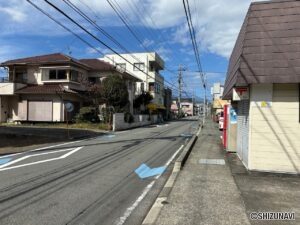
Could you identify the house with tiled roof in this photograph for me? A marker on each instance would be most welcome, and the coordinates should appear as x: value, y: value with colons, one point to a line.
x: 38, y: 87
x: 263, y: 82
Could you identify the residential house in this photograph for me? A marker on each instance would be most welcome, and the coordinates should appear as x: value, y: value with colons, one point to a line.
x: 263, y: 79
x: 145, y: 66
x: 186, y: 107
x: 38, y: 87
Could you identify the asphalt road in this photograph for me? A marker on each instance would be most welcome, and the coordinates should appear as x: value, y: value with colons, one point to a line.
x: 90, y: 181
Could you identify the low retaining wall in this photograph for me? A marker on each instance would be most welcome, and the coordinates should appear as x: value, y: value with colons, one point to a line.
x: 139, y: 121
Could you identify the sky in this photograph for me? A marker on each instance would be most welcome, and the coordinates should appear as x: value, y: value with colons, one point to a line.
x: 150, y: 25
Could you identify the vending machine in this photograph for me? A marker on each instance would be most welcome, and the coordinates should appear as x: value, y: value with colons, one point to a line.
x: 230, y: 128
x: 225, y: 122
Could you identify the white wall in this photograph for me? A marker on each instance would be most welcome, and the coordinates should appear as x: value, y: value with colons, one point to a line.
x: 146, y: 76
x: 139, y: 121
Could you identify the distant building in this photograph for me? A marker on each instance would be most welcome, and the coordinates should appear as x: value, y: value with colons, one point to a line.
x: 217, y: 91
x: 218, y: 103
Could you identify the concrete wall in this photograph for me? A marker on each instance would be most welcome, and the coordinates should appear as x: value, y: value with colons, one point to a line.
x: 139, y: 121
x: 274, y: 143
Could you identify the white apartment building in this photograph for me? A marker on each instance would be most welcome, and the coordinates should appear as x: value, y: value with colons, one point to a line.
x: 217, y: 91
x: 144, y: 66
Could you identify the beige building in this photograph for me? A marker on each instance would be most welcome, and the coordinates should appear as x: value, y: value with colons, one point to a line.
x: 263, y: 80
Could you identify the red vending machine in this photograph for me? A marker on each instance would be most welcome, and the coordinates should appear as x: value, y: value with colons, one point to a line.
x: 225, y: 119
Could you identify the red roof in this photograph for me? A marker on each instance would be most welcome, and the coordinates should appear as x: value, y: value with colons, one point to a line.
x: 45, y: 89
x: 97, y: 64
x: 44, y: 59
x: 58, y: 58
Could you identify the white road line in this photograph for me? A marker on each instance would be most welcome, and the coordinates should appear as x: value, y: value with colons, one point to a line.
x: 53, y: 146
x: 130, y: 209
x: 44, y: 148
x: 135, y: 204
x: 5, y: 166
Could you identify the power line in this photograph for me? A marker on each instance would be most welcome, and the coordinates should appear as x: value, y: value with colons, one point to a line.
x: 120, y: 13
x: 86, y: 31
x: 193, y: 38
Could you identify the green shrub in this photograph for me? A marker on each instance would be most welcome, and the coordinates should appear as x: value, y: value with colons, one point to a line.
x: 87, y: 114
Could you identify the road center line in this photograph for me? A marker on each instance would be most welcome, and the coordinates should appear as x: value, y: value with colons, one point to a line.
x: 130, y: 209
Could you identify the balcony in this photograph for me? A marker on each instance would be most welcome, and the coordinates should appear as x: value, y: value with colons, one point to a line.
x: 9, y: 88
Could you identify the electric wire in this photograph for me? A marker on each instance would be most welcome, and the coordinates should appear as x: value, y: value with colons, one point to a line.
x: 86, y: 31
x: 193, y: 38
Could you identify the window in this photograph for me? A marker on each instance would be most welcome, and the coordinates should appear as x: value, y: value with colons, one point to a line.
x: 21, y: 76
x: 61, y: 74
x: 75, y: 75
x: 57, y: 74
x: 139, y: 66
x: 142, y: 87
x: 52, y: 74
x: 121, y: 66
x: 151, y: 86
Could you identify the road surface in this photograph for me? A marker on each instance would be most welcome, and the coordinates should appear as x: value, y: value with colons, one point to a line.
x: 110, y: 179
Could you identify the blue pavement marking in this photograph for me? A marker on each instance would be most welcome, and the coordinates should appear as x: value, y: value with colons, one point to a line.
x: 4, y: 160
x: 109, y: 135
x: 143, y: 171
x: 186, y: 135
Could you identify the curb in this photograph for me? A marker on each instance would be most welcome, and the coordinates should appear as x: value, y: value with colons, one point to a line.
x: 162, y: 198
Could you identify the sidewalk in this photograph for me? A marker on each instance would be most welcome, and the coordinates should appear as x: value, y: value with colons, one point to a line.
x: 209, y: 192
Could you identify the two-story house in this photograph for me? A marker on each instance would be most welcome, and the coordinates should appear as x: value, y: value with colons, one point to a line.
x: 145, y: 66
x: 38, y: 87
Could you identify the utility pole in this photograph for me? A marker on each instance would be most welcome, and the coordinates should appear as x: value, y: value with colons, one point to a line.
x: 179, y: 88
x: 204, y: 101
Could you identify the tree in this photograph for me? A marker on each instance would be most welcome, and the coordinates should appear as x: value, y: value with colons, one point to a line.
x: 114, y: 93
x: 142, y: 100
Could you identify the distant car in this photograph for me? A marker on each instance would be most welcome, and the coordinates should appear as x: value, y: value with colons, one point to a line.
x: 221, y: 121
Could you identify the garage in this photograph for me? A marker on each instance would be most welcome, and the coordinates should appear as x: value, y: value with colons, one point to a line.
x: 40, y: 111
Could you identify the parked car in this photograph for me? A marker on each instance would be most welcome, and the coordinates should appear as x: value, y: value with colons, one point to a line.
x: 221, y: 120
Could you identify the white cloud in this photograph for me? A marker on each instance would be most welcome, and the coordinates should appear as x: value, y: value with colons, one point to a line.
x: 147, y: 43
x: 90, y: 50
x: 216, y: 22
x: 14, y: 14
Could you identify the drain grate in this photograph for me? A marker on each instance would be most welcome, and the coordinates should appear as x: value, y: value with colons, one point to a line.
x: 212, y: 161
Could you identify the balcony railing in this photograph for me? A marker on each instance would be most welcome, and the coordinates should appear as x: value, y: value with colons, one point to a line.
x: 3, y: 79
x: 8, y: 88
